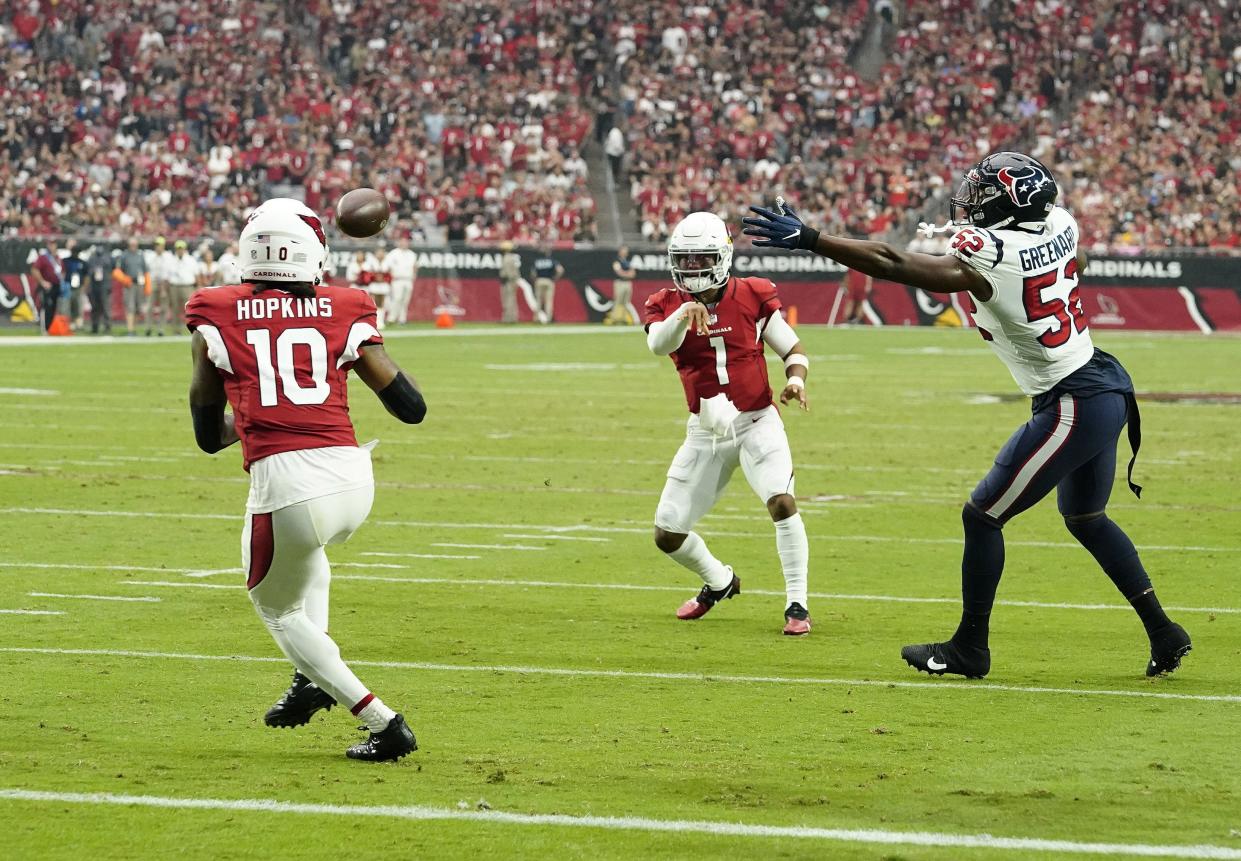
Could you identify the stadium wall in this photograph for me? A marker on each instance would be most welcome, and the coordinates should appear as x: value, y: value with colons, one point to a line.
x: 1174, y: 293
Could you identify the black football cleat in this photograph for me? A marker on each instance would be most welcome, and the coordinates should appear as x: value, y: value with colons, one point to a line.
x: 389, y: 744
x: 1168, y: 645
x: 299, y: 703
x: 796, y: 620
x: 940, y: 658
x: 701, y: 604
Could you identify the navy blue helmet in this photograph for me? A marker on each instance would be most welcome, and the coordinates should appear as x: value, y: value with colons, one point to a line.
x: 1004, y: 189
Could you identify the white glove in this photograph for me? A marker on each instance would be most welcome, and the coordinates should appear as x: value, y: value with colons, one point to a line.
x: 716, y: 416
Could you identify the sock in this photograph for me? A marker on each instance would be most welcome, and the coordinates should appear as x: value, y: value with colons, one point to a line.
x: 694, y: 555
x: 973, y: 629
x: 1118, y: 558
x: 982, y: 563
x: 794, y: 551
x: 315, y: 655
x: 372, y: 712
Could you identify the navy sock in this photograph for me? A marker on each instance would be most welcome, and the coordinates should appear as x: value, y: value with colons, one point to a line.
x: 982, y: 563
x: 1119, y: 559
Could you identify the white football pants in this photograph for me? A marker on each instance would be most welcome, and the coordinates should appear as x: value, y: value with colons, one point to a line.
x: 287, y: 572
x: 398, y: 301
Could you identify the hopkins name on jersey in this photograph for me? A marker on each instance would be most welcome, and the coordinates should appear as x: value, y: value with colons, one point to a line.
x: 285, y: 362
x: 1034, y: 320
x: 729, y: 358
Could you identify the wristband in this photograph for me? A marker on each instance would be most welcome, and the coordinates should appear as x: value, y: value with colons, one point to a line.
x: 809, y: 239
x: 797, y: 359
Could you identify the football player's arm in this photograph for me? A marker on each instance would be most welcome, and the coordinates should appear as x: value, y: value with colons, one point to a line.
x: 779, y: 335
x: 1082, y: 262
x: 396, y: 390
x: 665, y: 337
x: 213, y: 427
x: 933, y: 273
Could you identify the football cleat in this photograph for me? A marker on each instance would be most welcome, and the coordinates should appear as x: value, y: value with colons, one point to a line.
x: 299, y: 703
x: 700, y: 604
x: 1168, y: 646
x: 940, y: 658
x: 389, y: 744
x: 796, y: 620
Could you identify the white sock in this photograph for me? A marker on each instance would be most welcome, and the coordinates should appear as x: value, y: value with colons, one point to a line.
x: 794, y: 552
x: 374, y: 714
x: 694, y: 555
x: 316, y: 655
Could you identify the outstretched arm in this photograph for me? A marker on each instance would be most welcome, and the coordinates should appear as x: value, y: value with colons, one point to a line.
x: 779, y: 335
x: 396, y: 390
x: 213, y: 428
x: 935, y: 274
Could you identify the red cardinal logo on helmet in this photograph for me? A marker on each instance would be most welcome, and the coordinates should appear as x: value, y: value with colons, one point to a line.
x: 317, y: 226
x: 1022, y: 183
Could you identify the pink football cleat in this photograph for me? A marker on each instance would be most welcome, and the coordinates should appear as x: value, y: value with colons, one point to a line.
x: 700, y: 604
x: 796, y: 620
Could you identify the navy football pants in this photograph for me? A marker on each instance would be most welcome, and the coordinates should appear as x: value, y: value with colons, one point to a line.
x: 1070, y: 446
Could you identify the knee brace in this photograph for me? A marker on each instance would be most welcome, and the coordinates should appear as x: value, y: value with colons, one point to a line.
x: 973, y: 518
x: 1082, y: 526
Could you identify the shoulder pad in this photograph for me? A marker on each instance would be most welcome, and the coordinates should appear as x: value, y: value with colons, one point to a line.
x: 978, y: 247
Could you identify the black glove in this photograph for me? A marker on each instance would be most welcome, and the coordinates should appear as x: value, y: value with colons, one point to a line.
x: 780, y: 230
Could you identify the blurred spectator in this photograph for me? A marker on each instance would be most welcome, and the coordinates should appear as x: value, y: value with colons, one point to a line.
x: 622, y: 310
x: 545, y: 272
x: 48, y: 274
x: 98, y: 289
x: 401, y: 265
x: 160, y: 265
x: 228, y: 267
x: 136, y: 286
x: 74, y: 281
x: 183, y: 272
x: 510, y: 273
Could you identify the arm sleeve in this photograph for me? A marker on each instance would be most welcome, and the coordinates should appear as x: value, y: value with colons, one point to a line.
x: 666, y: 336
x: 779, y: 335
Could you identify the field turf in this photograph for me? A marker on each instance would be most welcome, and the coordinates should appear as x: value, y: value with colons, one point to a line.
x: 507, y: 597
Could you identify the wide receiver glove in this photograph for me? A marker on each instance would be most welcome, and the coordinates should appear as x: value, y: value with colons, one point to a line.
x: 780, y: 229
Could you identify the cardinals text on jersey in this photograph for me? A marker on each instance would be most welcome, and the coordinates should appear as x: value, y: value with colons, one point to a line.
x: 285, y: 362
x: 729, y: 358
x: 1034, y: 319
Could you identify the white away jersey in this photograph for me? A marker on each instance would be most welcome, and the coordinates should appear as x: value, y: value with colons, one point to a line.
x: 1034, y: 319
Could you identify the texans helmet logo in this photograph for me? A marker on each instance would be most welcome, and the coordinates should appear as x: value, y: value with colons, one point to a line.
x: 1022, y: 183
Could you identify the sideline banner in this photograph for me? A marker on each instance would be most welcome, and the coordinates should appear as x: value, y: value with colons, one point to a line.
x: 1184, y: 293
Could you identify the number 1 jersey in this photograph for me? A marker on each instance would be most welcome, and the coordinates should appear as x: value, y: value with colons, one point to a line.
x: 1034, y: 320
x: 285, y: 361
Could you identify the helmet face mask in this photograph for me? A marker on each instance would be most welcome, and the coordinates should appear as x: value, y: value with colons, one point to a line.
x: 700, y: 253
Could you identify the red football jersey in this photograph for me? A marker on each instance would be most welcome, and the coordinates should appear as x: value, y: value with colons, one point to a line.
x: 729, y: 358
x: 285, y: 361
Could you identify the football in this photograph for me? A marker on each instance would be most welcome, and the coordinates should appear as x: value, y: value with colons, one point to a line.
x: 362, y: 212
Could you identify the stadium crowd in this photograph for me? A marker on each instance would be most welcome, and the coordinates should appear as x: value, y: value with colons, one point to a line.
x: 728, y: 104
x: 154, y: 117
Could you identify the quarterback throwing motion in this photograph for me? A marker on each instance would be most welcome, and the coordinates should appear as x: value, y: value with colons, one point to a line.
x: 279, y: 347
x: 1015, y: 253
x: 714, y: 326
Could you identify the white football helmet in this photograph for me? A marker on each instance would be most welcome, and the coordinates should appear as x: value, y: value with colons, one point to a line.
x: 700, y: 252
x: 283, y: 240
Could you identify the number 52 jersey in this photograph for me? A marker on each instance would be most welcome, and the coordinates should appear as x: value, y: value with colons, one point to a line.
x: 1034, y: 320
x: 285, y: 362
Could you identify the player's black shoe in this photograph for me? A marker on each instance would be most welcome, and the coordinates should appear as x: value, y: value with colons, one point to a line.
x: 940, y: 658
x: 1168, y: 645
x: 391, y: 743
x: 299, y: 703
x: 796, y: 620
x: 700, y: 604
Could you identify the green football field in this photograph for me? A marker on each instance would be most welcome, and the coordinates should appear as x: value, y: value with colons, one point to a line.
x: 507, y: 597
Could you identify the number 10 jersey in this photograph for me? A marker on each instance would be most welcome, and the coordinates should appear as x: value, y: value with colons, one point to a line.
x: 1034, y: 320
x: 285, y: 362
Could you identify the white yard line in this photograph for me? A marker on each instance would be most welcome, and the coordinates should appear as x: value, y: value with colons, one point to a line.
x: 971, y: 687
x: 586, y: 527
x: 425, y: 813
x: 236, y: 587
x: 556, y: 537
x: 148, y: 599
x: 486, y: 546
x: 636, y: 587
x: 32, y: 612
x: 428, y: 555
x: 41, y: 393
